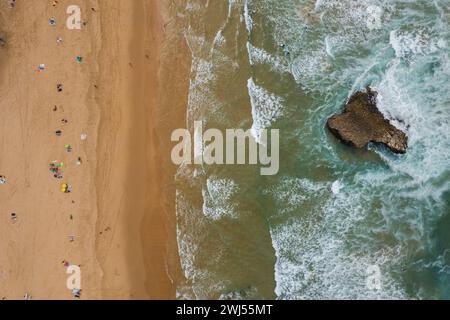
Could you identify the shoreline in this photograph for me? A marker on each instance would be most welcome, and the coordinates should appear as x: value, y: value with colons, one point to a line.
x: 153, y: 267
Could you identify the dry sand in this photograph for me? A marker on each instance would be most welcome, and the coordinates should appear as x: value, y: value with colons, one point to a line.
x: 127, y: 95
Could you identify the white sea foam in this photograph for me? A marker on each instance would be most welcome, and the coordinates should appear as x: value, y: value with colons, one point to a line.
x: 240, y: 295
x: 217, y: 198
x: 219, y: 39
x: 314, y: 258
x: 192, y: 235
x: 201, y: 98
x: 186, y: 246
x: 192, y: 6
x: 319, y: 267
x: 293, y: 192
x: 346, y: 29
x: 260, y: 56
x: 419, y: 41
x: 336, y: 187
x: 199, y: 93
x: 266, y: 108
x: 247, y: 17
x: 413, y: 93
x: 308, y: 68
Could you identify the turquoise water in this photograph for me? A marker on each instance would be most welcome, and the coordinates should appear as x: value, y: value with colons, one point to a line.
x: 318, y: 228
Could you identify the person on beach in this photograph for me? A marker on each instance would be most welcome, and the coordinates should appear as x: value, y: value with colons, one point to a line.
x: 55, y: 169
x: 76, y: 293
x: 68, y: 147
x: 65, y: 188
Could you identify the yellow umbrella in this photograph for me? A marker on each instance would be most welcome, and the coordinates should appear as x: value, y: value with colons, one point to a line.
x: 64, y: 187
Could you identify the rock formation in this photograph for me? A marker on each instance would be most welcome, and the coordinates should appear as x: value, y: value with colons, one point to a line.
x: 361, y: 123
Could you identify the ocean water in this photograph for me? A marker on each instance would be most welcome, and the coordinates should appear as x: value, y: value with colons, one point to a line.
x: 333, y: 219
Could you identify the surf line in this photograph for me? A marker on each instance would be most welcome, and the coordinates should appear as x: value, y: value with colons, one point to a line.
x: 237, y: 147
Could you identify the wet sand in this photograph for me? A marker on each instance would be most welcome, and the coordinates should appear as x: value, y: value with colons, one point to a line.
x: 127, y: 95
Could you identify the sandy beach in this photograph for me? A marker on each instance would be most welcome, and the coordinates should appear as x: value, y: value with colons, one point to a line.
x: 120, y: 95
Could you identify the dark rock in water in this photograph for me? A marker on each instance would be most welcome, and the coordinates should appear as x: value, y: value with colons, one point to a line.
x: 362, y: 122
